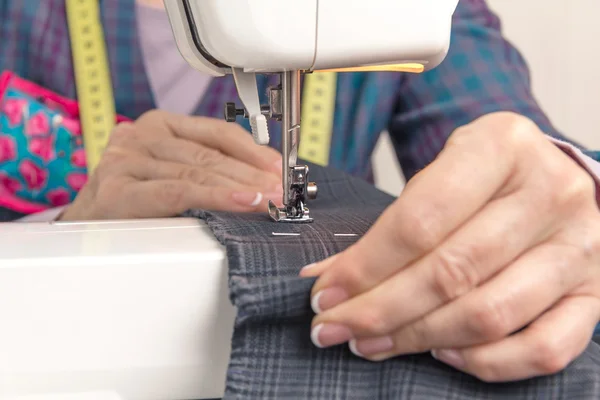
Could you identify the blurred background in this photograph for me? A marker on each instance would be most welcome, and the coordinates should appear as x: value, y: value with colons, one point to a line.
x: 560, y: 41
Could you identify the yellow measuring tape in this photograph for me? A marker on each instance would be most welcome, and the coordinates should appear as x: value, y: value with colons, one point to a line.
x: 318, y: 106
x: 92, y: 77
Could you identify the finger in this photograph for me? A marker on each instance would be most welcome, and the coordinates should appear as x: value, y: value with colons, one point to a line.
x: 317, y: 268
x: 228, y: 138
x: 470, y: 256
x: 166, y: 198
x: 508, y: 302
x: 418, y: 221
x: 187, y: 152
x: 546, y: 347
x: 146, y: 168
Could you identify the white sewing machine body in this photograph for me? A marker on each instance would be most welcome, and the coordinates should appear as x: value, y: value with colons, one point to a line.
x: 113, y: 310
x: 274, y: 36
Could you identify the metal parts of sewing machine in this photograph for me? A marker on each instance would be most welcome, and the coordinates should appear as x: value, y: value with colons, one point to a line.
x: 247, y: 37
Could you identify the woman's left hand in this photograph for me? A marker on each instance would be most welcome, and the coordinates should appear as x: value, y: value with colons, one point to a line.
x: 490, y: 259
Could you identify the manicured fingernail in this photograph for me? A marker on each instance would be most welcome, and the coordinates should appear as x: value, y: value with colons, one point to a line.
x: 328, y: 298
x: 450, y: 357
x: 353, y: 349
x: 325, y: 335
x: 253, y: 199
x: 247, y: 198
x: 368, y: 347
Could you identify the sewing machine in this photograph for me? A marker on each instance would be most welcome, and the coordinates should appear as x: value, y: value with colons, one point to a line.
x: 117, y: 310
x: 113, y: 310
x: 289, y: 38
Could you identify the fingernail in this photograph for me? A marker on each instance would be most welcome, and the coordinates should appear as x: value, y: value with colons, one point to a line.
x: 328, y: 298
x: 278, y: 166
x: 322, y: 264
x: 278, y: 188
x: 247, y: 198
x: 450, y: 357
x: 325, y: 335
x: 367, y: 347
x: 255, y: 198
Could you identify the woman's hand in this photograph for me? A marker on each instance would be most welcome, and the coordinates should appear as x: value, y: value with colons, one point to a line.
x: 490, y: 259
x: 163, y: 164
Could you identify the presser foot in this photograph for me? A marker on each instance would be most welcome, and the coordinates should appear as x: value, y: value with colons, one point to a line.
x: 295, y: 210
x: 289, y: 214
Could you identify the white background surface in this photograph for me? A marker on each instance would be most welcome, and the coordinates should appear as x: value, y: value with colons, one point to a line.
x: 560, y: 41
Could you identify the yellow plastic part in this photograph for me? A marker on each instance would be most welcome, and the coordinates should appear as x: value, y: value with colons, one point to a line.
x: 410, y: 67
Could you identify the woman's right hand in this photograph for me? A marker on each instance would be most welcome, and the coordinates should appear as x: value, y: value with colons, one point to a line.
x: 164, y: 164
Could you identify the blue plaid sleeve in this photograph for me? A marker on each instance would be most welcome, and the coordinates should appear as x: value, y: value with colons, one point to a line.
x: 482, y: 73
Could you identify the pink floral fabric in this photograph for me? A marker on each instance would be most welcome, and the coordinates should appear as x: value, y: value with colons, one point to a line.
x: 42, y: 155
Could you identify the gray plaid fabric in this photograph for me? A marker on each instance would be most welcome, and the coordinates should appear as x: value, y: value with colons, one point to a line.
x: 272, y: 355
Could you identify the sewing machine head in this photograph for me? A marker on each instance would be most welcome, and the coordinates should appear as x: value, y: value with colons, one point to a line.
x: 246, y: 37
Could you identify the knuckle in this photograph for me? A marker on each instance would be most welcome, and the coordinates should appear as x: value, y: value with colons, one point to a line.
x: 420, y: 228
x: 213, y: 157
x: 578, y: 188
x: 206, y: 156
x: 214, y: 130
x: 354, y: 279
x: 194, y: 175
x: 218, y: 128
x: 459, y: 136
x: 454, y: 272
x: 200, y: 126
x: 565, y: 188
x: 591, y: 247
x: 371, y: 322
x: 198, y: 155
x: 520, y: 132
x: 171, y: 193
x: 419, y: 336
x: 550, y: 357
x: 121, y: 133
x: 488, y: 320
x: 151, y: 116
